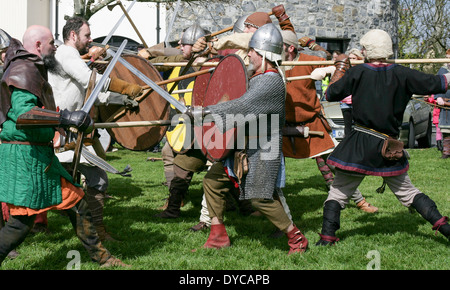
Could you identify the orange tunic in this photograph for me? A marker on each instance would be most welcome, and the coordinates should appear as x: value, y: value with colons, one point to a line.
x: 71, y: 195
x: 303, y: 107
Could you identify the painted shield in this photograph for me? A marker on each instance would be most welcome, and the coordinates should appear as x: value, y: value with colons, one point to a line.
x: 177, y: 136
x: 229, y: 81
x: 151, y: 107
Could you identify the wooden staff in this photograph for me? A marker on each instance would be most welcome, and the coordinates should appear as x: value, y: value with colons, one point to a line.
x: 110, y: 7
x: 325, y: 62
x: 230, y: 28
x: 132, y: 124
x: 183, y: 77
x: 298, y: 78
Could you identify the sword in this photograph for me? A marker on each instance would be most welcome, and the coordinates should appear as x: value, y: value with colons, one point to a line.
x: 93, y: 97
x: 99, y: 162
x: 171, y: 23
x: 179, y: 106
x: 108, y: 37
x: 88, y: 105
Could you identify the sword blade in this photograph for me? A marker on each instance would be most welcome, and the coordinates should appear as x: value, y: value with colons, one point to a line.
x: 179, y: 106
x: 93, y: 97
x: 107, y: 38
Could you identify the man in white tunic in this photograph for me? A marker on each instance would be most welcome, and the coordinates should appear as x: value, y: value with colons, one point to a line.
x: 69, y: 81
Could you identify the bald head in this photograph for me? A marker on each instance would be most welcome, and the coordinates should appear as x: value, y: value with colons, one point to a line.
x: 39, y: 40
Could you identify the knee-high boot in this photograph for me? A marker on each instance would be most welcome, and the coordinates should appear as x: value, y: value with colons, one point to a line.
x: 331, y: 223
x: 81, y: 219
x: 14, y: 233
x: 427, y: 208
x: 96, y: 202
x: 174, y: 204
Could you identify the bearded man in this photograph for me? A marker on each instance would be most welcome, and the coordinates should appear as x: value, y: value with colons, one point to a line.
x: 70, y: 80
x: 32, y: 180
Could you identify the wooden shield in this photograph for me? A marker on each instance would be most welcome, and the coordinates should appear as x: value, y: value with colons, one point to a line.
x: 229, y: 81
x: 151, y: 107
x: 178, y: 138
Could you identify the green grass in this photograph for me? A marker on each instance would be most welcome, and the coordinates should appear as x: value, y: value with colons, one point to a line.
x: 404, y: 241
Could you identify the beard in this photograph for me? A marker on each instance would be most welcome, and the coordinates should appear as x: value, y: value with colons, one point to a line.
x: 51, y: 64
x: 251, y: 69
x: 82, y: 49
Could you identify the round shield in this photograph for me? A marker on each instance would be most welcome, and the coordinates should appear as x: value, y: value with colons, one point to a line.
x: 151, y: 107
x: 229, y: 81
x: 182, y: 92
x: 178, y: 138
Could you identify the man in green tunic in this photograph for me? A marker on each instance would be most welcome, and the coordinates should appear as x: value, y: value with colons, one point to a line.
x: 32, y: 180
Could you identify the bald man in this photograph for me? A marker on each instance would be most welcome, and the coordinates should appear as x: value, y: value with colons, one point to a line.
x: 32, y: 180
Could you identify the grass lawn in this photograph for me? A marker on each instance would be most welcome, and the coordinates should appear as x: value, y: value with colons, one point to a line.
x: 393, y: 239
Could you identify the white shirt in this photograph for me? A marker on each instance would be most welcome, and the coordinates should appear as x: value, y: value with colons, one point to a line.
x: 69, y: 88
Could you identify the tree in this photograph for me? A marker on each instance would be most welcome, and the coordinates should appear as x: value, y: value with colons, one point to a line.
x: 423, y: 29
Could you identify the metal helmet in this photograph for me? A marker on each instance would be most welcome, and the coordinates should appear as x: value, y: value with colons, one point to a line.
x: 267, y: 38
x: 239, y: 24
x: 193, y: 33
x: 5, y: 40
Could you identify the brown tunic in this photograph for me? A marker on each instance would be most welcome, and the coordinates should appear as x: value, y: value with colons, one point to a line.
x: 303, y: 107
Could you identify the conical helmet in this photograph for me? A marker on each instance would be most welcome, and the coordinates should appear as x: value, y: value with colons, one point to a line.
x: 5, y: 40
x: 267, y: 38
x: 239, y: 24
x: 191, y: 34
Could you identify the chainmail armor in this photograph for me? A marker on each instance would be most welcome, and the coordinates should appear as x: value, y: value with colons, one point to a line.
x: 266, y: 95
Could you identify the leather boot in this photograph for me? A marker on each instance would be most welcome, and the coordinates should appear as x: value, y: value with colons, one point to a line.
x: 426, y: 207
x: 367, y: 207
x: 439, y: 145
x: 446, y: 147
x: 96, y: 203
x: 296, y: 241
x: 81, y: 220
x: 173, y: 206
x: 218, y: 237
x: 14, y: 233
x: 331, y: 223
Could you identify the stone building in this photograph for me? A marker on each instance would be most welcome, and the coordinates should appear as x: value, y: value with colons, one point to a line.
x: 334, y: 24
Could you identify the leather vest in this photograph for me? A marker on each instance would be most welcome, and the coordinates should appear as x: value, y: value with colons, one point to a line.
x: 26, y: 71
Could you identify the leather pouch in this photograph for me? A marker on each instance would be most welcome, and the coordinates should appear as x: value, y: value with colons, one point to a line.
x: 240, y: 165
x: 392, y: 149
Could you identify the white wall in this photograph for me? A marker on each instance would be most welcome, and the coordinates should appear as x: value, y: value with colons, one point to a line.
x: 17, y: 15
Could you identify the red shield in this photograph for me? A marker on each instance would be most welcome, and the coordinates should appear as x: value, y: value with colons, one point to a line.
x: 229, y: 81
x: 178, y: 137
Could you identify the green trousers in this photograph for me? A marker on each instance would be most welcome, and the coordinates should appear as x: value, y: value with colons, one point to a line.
x: 216, y: 184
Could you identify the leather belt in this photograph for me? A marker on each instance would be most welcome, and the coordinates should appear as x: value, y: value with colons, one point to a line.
x: 27, y: 143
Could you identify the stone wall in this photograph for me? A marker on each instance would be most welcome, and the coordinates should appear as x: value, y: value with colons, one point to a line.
x: 332, y: 19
